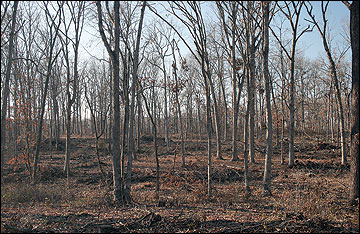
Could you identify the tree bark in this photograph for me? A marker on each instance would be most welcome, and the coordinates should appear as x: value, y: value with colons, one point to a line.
x: 267, y: 171
x: 114, y: 56
x: 6, y: 88
x: 246, y: 139
x: 354, y: 146
x: 252, y: 91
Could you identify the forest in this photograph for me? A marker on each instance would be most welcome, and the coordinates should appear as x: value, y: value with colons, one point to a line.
x: 179, y: 116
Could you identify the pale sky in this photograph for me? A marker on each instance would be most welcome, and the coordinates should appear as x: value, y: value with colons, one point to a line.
x: 339, y: 18
x: 310, y: 43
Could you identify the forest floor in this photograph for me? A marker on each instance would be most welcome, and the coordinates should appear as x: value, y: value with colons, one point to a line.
x: 310, y: 197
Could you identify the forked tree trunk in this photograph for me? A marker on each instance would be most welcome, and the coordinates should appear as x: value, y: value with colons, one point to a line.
x: 114, y: 55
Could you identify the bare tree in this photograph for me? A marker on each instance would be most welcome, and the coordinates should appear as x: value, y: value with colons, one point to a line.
x: 251, y: 38
x: 236, y: 64
x: 160, y: 38
x: 333, y: 71
x: 279, y: 65
x: 72, y: 79
x: 176, y: 90
x: 195, y: 25
x: 292, y: 11
x: 97, y: 93
x: 114, y: 57
x: 50, y: 59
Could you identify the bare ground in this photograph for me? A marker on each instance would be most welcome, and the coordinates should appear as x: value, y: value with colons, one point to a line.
x: 310, y: 197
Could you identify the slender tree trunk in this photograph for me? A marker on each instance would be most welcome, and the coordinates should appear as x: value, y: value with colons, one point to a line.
x: 97, y: 136
x: 246, y: 143
x: 152, y: 117
x: 177, y: 90
x: 77, y: 22
x: 276, y: 111
x: 267, y: 171
x: 132, y: 152
x: 199, y: 123
x: 138, y: 121
x: 292, y: 104
x: 209, y: 129
x: 291, y: 119
x: 67, y: 143
x: 124, y: 148
x: 340, y: 105
x: 282, y: 135
x: 167, y: 140
x: 234, y: 97
x: 302, y: 106
x: 341, y: 114
x: 41, y: 121
x: 217, y: 121
x: 252, y: 106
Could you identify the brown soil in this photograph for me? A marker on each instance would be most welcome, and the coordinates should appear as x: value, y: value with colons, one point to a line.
x: 310, y: 197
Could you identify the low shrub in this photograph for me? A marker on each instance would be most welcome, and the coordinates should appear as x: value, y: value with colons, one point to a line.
x: 24, y: 192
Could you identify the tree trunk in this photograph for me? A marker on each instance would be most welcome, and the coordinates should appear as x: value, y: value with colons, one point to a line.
x: 167, y: 140
x: 67, y: 143
x: 292, y: 104
x: 114, y: 55
x: 209, y: 129
x: 225, y: 107
x: 6, y: 88
x: 152, y: 117
x: 267, y: 171
x: 291, y: 113
x: 217, y: 120
x: 177, y: 90
x: 246, y: 143
x: 340, y: 105
x: 252, y: 105
x: 138, y: 121
x: 235, y: 104
x: 354, y: 146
